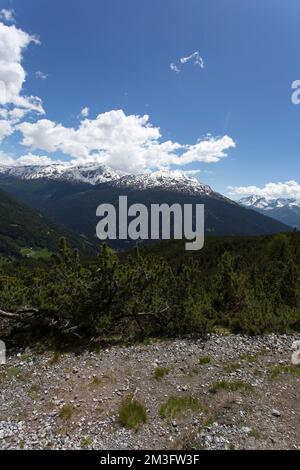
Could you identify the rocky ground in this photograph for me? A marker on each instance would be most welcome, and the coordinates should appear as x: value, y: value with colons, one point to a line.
x: 68, y: 401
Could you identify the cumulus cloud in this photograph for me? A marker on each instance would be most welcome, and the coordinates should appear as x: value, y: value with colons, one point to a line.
x: 41, y: 75
x: 6, y: 129
x: 13, y: 42
x: 289, y: 189
x: 31, y: 159
x: 28, y: 159
x: 7, y: 15
x: 195, y: 57
x: 124, y: 142
x: 209, y: 150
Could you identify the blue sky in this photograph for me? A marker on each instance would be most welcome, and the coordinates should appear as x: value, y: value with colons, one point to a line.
x: 116, y: 55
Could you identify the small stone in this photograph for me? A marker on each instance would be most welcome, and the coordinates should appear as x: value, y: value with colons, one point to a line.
x: 276, y: 413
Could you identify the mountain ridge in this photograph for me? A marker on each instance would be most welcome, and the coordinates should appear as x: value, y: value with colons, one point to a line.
x: 285, y: 210
x: 72, y: 201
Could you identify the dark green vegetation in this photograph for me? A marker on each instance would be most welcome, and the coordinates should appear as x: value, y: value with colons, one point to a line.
x: 74, y: 205
x: 249, y: 285
x: 27, y: 232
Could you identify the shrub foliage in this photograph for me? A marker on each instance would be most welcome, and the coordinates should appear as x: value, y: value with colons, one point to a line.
x: 252, y: 286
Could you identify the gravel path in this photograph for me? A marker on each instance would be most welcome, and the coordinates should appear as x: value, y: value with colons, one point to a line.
x: 71, y: 401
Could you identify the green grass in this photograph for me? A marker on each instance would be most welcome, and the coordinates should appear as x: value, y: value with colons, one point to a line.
x: 236, y: 386
x: 249, y: 358
x: 160, y: 372
x: 66, y: 412
x: 254, y: 433
x: 13, y: 372
x: 132, y: 414
x: 281, y: 369
x: 204, y: 360
x: 257, y: 373
x: 220, y: 331
x: 96, y: 381
x: 231, y: 367
x: 86, y: 442
x: 39, y: 253
x: 178, y: 406
x: 34, y: 391
x: 55, y: 358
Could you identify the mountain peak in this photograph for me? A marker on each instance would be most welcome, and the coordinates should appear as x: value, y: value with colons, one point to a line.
x: 164, y: 179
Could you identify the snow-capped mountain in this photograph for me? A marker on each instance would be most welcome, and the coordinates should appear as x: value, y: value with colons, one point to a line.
x: 96, y: 174
x: 258, y: 202
x: 167, y: 180
x: 90, y: 173
x: 286, y: 210
x: 55, y: 191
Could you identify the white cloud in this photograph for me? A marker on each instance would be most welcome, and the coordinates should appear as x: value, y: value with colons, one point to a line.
x: 7, y: 15
x: 5, y: 129
x: 85, y: 111
x: 124, y: 142
x: 209, y: 150
x: 195, y: 57
x: 13, y: 42
x: 289, y: 189
x: 41, y: 75
x: 6, y: 159
x: 192, y: 172
x: 29, y: 159
x: 175, y: 68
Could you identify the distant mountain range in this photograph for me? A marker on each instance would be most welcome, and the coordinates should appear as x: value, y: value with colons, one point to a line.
x: 70, y: 196
x: 286, y: 211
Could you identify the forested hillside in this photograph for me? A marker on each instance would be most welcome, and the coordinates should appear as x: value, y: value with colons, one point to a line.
x: 25, y: 231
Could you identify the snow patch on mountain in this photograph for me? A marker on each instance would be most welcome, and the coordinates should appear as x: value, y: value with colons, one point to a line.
x: 258, y: 202
x: 166, y: 180
x: 91, y: 174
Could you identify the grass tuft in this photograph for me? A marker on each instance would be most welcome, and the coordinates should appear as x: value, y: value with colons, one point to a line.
x: 132, y: 414
x: 160, y: 372
x: 66, y: 412
x: 86, y: 442
x: 55, y: 358
x: 96, y: 381
x: 178, y: 406
x: 281, y: 369
x: 204, y: 360
x: 34, y: 391
x: 238, y: 385
x: 231, y: 367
